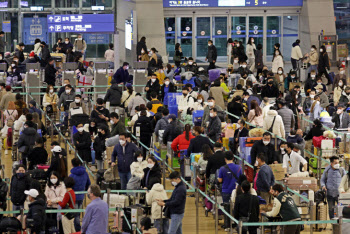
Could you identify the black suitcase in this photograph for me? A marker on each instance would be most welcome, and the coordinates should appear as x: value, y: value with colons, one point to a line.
x: 105, y: 185
x: 38, y: 174
x: 127, y: 215
x: 99, y: 176
x: 78, y: 119
x: 115, y: 185
x: 10, y: 224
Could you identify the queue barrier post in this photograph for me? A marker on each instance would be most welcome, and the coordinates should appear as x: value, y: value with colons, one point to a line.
x: 340, y: 224
x: 319, y: 167
x: 163, y: 172
x: 240, y: 227
x: 311, y: 203
x: 216, y: 210
x: 22, y: 219
x: 197, y: 211
x: 231, y: 208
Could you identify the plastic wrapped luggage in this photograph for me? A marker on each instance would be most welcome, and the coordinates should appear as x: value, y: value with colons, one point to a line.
x: 197, y: 117
x: 214, y: 74
x: 117, y: 200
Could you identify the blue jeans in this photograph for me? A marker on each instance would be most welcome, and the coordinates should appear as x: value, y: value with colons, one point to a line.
x: 14, y: 207
x: 78, y: 205
x: 176, y: 223
x: 331, y: 204
x: 226, y: 197
x: 124, y: 179
x: 157, y: 224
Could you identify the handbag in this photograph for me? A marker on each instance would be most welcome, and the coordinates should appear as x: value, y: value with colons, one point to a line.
x: 70, y: 215
x: 49, y: 109
x: 273, y: 122
x: 246, y: 219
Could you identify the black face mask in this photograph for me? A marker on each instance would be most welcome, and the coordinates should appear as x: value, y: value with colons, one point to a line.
x: 99, y: 107
x: 270, y: 82
x: 185, y: 94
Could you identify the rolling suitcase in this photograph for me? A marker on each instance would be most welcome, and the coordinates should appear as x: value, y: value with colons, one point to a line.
x: 214, y: 74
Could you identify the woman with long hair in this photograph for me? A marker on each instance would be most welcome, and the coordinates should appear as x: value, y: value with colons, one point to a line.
x: 127, y: 95
x: 169, y: 72
x: 207, y: 153
x: 11, y: 112
x: 229, y: 46
x: 20, y: 104
x: 323, y: 63
x: 251, y: 48
x: 255, y: 115
x: 277, y: 61
x: 152, y: 173
x: 39, y: 123
x: 178, y: 54
x: 50, y: 99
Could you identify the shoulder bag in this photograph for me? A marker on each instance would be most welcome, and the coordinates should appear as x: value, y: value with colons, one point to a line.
x: 273, y: 122
x: 70, y: 215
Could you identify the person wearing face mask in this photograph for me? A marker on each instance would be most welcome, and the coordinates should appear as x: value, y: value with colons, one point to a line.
x: 264, y: 146
x: 319, y: 82
x: 78, y: 103
x: 310, y: 83
x: 169, y: 72
x: 291, y: 78
x: 341, y: 118
x: 241, y: 131
x: 330, y: 182
x: 176, y: 203
x: 144, y: 56
x: 265, y: 179
x: 186, y: 100
x: 144, y: 125
x: 277, y: 61
x: 308, y: 102
x: 280, y: 77
x: 38, y: 155
x: 19, y: 183
x: 82, y: 183
x: 123, y: 152
x: 66, y: 98
x: 292, y: 161
x: 82, y: 142
x: 250, y: 52
x: 340, y: 77
x: 45, y: 54
x: 138, y: 165
x: 19, y: 52
x: 285, y: 206
x: 30, y: 59
x: 101, y: 114
x: 247, y: 99
x: 109, y: 56
x: 117, y: 126
x: 243, y: 68
x: 199, y: 104
x: 152, y: 86
x: 338, y: 91
x: 152, y: 173
x: 66, y: 45
x: 35, y: 219
x: 80, y: 45
x: 58, y: 46
x: 214, y: 126
x: 99, y: 144
x: 80, y: 62
x: 296, y: 54
x: 211, y: 55
x: 229, y: 48
x: 270, y: 90
x: 178, y: 55
x: 167, y: 87
x: 315, y: 109
x: 155, y: 61
x: 324, y: 100
x: 323, y: 64
x: 141, y: 46
x: 312, y: 58
x: 63, y: 88
x: 122, y: 74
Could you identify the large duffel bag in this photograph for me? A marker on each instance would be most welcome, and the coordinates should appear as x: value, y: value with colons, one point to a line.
x: 10, y: 224
x: 78, y: 119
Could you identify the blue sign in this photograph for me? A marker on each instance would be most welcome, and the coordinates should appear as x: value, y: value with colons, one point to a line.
x: 85, y: 23
x: 6, y: 26
x: 231, y: 3
x: 34, y: 28
x: 96, y: 38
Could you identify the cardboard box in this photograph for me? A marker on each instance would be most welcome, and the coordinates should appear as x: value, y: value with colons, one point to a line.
x: 278, y: 171
x: 298, y: 183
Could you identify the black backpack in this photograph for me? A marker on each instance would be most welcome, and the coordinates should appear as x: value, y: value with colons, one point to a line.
x: 10, y: 224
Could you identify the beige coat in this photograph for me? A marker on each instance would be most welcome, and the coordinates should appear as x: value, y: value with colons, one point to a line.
x: 55, y: 195
x: 277, y: 63
x: 8, y: 97
x: 278, y: 127
x: 313, y: 58
x: 256, y: 120
x: 157, y: 192
x: 337, y: 94
x: 2, y: 93
x: 218, y: 94
x: 126, y: 99
x: 136, y: 168
x: 50, y: 98
x: 344, y: 184
x: 235, y: 94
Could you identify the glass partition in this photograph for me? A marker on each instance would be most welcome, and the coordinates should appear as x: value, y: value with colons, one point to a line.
x: 184, y: 35
x: 220, y: 37
x: 202, y: 37
x: 238, y: 29
x: 290, y: 34
x: 169, y: 24
x: 273, y: 35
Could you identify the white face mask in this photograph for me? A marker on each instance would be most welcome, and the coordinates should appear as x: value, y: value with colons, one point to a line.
x: 199, y: 100
x: 321, y: 50
x: 277, y: 53
x: 238, y: 125
x: 342, y: 72
x: 337, y: 166
x: 312, y: 49
x: 13, y: 65
x: 142, y: 51
x: 244, y: 66
x: 139, y: 159
x: 121, y: 142
x: 153, y: 80
x: 51, y: 90
x: 339, y: 111
x: 190, y: 63
x: 174, y: 183
x: 246, y: 99
x: 66, y: 42
x: 279, y: 72
x: 282, y: 149
x: 266, y: 142
x: 16, y: 60
x: 292, y: 77
x: 166, y: 82
x: 150, y: 165
x: 312, y: 96
x: 81, y: 129
x: 319, y: 83
x: 210, y: 103
x: 252, y: 41
x: 80, y: 38
x: 313, y: 76
x: 237, y: 45
x: 150, y: 53
x: 340, y: 83
x: 209, y: 44
x: 23, y: 48
x: 67, y: 91
x: 211, y: 114
x: 77, y: 100
x: 235, y: 61
x: 111, y: 121
x: 53, y: 181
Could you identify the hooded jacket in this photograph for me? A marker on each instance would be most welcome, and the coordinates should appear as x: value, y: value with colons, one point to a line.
x: 278, y: 126
x: 151, y: 176
x: 157, y: 192
x: 55, y: 194
x: 121, y: 76
x: 113, y: 95
x: 17, y: 188
x: 137, y: 168
x: 84, y: 145
x: 161, y: 125
x: 181, y: 143
x: 27, y: 139
x: 36, y: 216
x: 82, y: 181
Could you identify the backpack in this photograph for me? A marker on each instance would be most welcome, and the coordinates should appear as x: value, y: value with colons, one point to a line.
x: 109, y: 175
x: 134, y: 183
x: 10, y: 224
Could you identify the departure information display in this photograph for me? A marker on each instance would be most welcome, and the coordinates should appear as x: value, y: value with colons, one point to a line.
x: 232, y: 3
x: 85, y: 23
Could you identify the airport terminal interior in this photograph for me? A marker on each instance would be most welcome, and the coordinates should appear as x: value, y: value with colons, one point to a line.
x: 240, y: 110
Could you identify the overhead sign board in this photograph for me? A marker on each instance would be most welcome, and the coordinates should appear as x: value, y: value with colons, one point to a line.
x: 34, y: 28
x: 232, y: 3
x: 84, y: 23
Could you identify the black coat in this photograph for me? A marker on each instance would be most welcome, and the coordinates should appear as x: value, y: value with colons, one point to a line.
x: 60, y: 45
x: 140, y: 45
x: 172, y: 89
x: 268, y: 150
x: 81, y: 68
x: 155, y: 87
x: 27, y: 139
x: 36, y: 216
x: 45, y: 53
x: 50, y: 74
x: 270, y: 92
x: 197, y: 143
x: 309, y: 85
x: 242, y: 204
x: 3, y: 194
x: 70, y: 58
x: 145, y: 125
x: 235, y: 109
x: 171, y: 132
x: 95, y: 115
x: 65, y: 47
x: 314, y: 131
x: 17, y: 188
x: 84, y: 145
x: 37, y: 156
x: 155, y: 176
x: 323, y: 62
x: 99, y: 146
x: 114, y: 95
x: 215, y: 161
x: 177, y: 201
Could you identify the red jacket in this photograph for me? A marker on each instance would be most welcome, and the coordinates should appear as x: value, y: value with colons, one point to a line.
x: 180, y: 142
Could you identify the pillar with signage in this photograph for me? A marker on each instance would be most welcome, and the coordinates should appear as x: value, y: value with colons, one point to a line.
x: 330, y: 42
